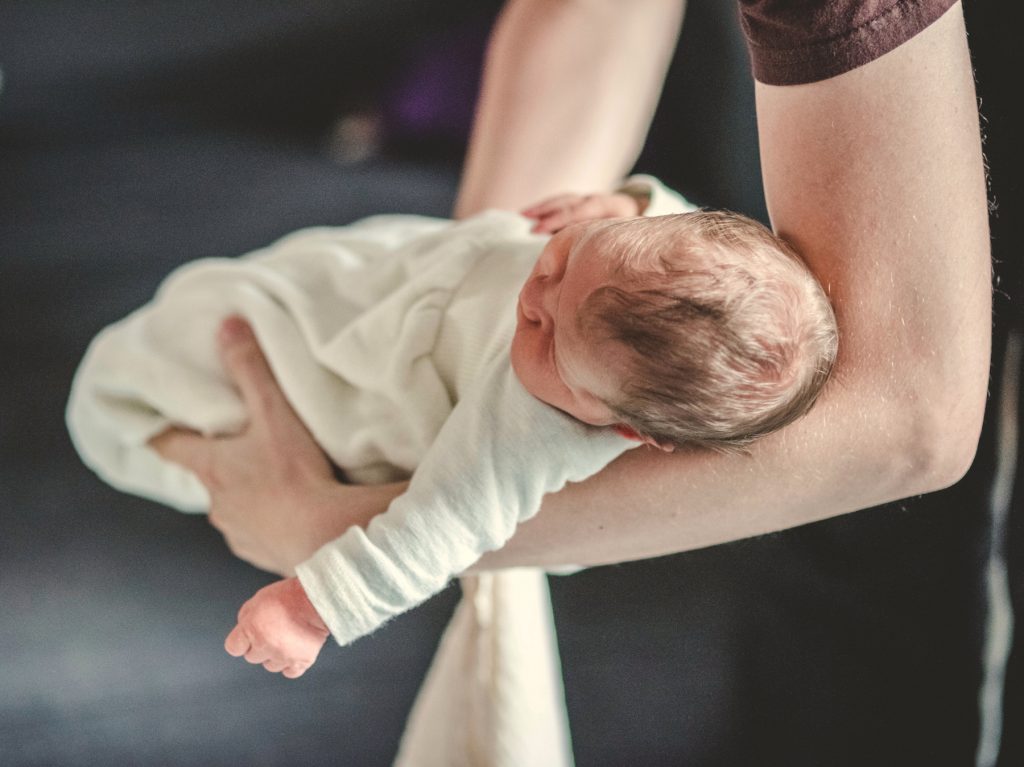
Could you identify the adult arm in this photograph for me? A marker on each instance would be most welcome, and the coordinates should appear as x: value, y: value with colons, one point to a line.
x: 876, y: 175
x: 877, y: 178
x: 569, y: 90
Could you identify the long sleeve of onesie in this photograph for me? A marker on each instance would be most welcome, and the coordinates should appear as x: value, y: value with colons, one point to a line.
x: 496, y: 456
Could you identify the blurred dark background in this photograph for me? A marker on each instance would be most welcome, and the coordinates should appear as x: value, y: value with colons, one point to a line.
x: 135, y: 136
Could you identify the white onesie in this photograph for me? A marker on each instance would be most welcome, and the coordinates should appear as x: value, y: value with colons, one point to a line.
x: 390, y: 339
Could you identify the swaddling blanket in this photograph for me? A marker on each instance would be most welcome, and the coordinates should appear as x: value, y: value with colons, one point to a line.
x: 390, y: 339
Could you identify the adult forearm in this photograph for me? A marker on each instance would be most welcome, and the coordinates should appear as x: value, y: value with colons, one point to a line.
x: 569, y: 90
x: 649, y: 504
x: 877, y: 177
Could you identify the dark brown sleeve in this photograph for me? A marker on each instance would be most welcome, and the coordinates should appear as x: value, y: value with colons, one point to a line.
x: 802, y: 41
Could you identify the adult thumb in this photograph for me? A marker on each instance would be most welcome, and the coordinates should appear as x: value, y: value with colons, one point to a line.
x: 185, y: 448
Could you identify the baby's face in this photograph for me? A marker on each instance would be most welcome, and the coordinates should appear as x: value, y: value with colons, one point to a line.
x: 551, y: 358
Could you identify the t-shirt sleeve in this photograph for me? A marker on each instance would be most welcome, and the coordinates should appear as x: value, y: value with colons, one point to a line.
x: 802, y: 41
x: 494, y: 459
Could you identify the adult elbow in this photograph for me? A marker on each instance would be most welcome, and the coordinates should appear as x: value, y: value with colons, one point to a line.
x: 945, y: 400
x: 945, y: 444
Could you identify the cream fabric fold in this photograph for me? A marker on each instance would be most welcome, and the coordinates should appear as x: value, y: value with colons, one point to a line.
x: 493, y: 695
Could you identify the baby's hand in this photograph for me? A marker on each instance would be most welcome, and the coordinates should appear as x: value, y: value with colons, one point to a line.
x: 280, y: 629
x: 556, y: 213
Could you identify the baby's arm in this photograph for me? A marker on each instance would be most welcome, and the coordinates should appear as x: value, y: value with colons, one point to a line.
x: 497, y: 455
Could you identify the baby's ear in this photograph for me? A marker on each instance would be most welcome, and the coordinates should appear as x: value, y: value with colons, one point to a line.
x: 630, y: 433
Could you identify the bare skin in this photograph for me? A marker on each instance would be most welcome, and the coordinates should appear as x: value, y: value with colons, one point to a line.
x: 877, y: 177
x: 279, y: 629
x: 552, y: 68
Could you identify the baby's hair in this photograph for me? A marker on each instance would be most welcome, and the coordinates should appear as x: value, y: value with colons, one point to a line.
x: 728, y: 336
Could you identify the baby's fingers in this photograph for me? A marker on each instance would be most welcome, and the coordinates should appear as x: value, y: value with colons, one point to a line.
x: 591, y: 206
x: 550, y: 224
x: 238, y: 642
x: 549, y: 205
x: 555, y: 221
x: 587, y: 208
x: 295, y: 670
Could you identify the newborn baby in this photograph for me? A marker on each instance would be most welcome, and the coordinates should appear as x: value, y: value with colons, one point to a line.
x: 700, y: 329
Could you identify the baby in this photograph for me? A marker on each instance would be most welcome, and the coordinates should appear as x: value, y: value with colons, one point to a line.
x: 700, y: 329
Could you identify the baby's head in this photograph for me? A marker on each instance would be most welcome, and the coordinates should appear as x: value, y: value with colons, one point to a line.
x: 700, y: 329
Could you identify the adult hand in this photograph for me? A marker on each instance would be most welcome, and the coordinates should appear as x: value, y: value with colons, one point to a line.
x: 272, y: 490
